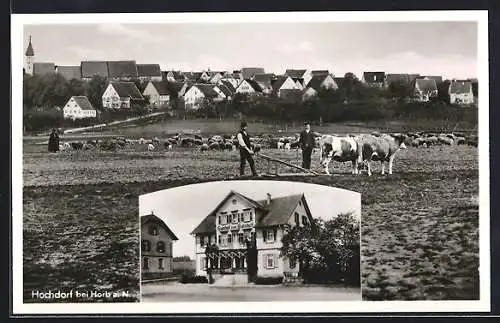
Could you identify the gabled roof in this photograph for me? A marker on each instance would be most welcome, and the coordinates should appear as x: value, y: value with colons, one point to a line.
x: 316, y: 82
x: 339, y: 80
x: 278, y: 212
x: 390, y: 78
x: 295, y: 73
x: 426, y: 85
x: 254, y: 85
x: 69, y: 72
x: 207, y: 90
x: 248, y: 72
x: 151, y: 218
x: 43, y: 68
x: 160, y: 87
x: 177, y: 75
x: 459, y: 87
x: 412, y: 77
x: 122, y: 69
x: 374, y: 77
x: 83, y: 102
x: 94, y: 68
x: 127, y: 90
x: 148, y: 70
x: 29, y: 50
x: 228, y: 85
x: 226, y: 89
x: 320, y: 72
x: 265, y: 77
x: 278, y: 82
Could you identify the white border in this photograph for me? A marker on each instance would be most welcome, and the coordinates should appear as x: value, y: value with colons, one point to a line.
x: 482, y: 305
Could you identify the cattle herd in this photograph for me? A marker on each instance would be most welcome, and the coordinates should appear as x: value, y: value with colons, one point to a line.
x: 360, y: 149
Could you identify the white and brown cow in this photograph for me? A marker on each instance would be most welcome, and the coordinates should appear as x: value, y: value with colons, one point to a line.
x: 379, y: 148
x: 340, y: 149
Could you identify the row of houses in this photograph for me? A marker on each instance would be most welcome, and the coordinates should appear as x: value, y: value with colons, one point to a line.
x: 236, y: 221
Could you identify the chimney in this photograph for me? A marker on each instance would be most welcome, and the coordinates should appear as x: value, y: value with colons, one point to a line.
x: 268, y: 198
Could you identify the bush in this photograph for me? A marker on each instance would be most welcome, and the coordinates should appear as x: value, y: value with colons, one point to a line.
x: 187, y: 279
x: 268, y: 280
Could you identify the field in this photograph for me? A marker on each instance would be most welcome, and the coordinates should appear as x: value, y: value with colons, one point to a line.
x: 419, y: 225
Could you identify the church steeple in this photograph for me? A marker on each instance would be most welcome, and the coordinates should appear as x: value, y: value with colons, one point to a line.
x: 29, y: 50
x: 29, y: 58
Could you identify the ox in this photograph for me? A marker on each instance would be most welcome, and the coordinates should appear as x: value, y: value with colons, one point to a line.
x: 383, y: 149
x: 340, y: 149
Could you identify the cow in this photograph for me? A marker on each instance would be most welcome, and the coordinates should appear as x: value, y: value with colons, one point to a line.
x: 281, y: 145
x: 383, y: 149
x: 340, y: 149
x: 287, y: 146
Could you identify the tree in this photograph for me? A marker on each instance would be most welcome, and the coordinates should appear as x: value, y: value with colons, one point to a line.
x: 400, y: 89
x: 327, y: 250
x: 96, y: 87
x: 211, y: 251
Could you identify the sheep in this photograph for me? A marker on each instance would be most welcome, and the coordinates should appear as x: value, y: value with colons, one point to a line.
x: 229, y: 146
x: 204, y: 147
x: 167, y: 145
x: 287, y: 146
x: 142, y: 141
x: 214, y: 146
x: 151, y: 147
x: 280, y: 145
x: 198, y: 137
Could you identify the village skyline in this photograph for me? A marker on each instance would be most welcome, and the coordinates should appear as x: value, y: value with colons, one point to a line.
x: 448, y: 49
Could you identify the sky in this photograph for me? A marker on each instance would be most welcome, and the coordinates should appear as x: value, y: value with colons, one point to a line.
x: 448, y: 49
x: 183, y: 208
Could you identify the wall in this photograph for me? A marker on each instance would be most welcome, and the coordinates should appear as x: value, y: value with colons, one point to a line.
x: 244, y: 87
x: 153, y: 254
x: 153, y: 264
x: 329, y: 83
x: 110, y: 99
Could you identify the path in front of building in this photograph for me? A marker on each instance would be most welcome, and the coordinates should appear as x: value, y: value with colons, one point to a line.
x: 176, y: 292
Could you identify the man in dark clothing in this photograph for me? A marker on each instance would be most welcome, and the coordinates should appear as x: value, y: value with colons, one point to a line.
x: 306, y: 142
x: 246, y: 151
x: 54, y: 141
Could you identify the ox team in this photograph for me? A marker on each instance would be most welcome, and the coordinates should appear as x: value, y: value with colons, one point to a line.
x: 360, y: 149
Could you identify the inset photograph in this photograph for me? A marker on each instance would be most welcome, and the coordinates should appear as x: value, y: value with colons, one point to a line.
x: 250, y: 241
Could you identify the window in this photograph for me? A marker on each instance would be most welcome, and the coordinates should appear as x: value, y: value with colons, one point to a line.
x: 203, y: 263
x: 203, y: 240
x: 160, y: 263
x: 241, y: 238
x: 235, y: 216
x: 160, y: 246
x: 269, y: 235
x: 145, y: 263
x: 229, y: 238
x: 297, y: 221
x: 146, y: 245
x: 153, y: 230
x: 223, y: 218
x: 270, y: 264
x: 304, y: 220
x: 247, y: 215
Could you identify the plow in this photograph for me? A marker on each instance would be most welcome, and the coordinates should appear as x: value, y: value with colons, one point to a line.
x: 272, y: 168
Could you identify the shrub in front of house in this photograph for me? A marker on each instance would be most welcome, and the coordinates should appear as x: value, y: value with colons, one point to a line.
x: 268, y: 280
x: 187, y: 279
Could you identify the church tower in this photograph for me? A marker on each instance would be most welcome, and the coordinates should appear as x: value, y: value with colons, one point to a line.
x: 29, y: 58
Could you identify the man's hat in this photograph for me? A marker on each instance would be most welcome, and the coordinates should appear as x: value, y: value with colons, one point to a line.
x: 307, y: 123
x: 243, y: 124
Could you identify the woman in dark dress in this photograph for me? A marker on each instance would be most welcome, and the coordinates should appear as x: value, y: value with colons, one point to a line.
x: 54, y: 141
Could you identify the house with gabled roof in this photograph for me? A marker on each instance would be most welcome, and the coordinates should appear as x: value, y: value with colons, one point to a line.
x: 121, y: 95
x: 250, y: 87
x: 122, y: 70
x: 149, y: 72
x: 42, y: 68
x: 424, y: 89
x: 91, y: 69
x: 283, y: 83
x: 79, y: 107
x: 374, y: 79
x: 320, y: 73
x: 197, y: 93
x: 175, y: 76
x: 318, y: 83
x: 437, y: 78
x: 461, y: 92
x: 156, y: 245
x: 234, y: 81
x: 238, y: 221
x: 227, y: 86
x: 396, y: 78
x: 216, y: 77
x: 265, y: 81
x: 157, y: 92
x: 300, y: 76
x: 69, y: 72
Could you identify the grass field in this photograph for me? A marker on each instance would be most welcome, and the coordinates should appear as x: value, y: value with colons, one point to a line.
x: 419, y: 226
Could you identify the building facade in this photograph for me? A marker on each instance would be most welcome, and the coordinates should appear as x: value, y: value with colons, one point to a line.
x: 238, y: 223
x: 156, y: 245
x: 79, y: 107
x: 461, y: 92
x: 157, y: 93
x: 121, y: 95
